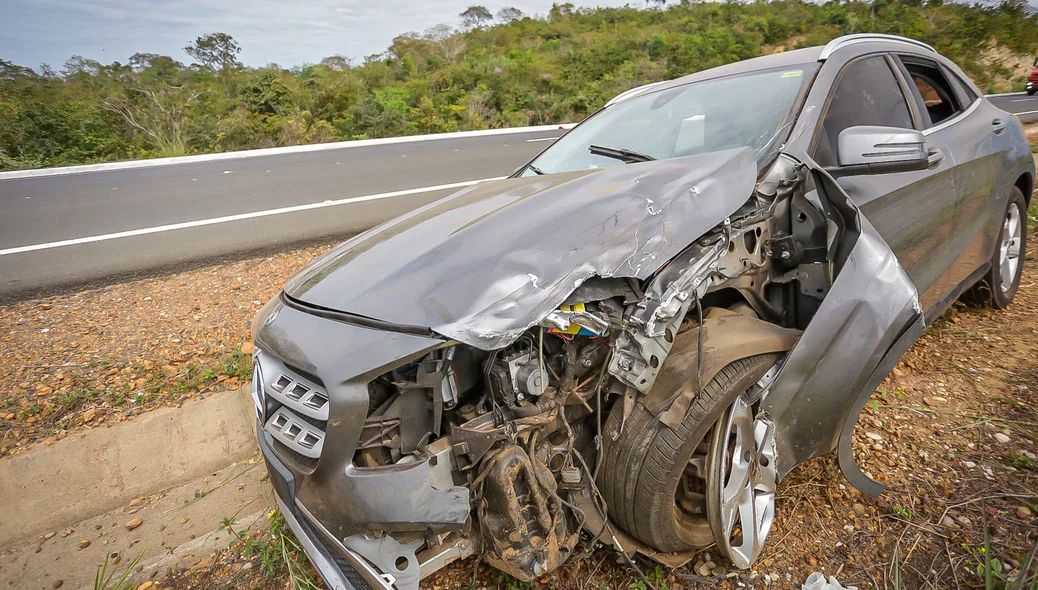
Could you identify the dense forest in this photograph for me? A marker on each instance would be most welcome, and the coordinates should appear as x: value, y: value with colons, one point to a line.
x: 500, y: 70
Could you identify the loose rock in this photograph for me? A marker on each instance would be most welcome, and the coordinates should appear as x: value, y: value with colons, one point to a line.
x: 134, y: 524
x: 1001, y: 438
x: 84, y: 543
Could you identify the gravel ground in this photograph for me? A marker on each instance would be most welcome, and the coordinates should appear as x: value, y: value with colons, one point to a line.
x: 105, y: 355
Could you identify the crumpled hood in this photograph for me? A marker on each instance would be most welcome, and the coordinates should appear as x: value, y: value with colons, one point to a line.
x: 486, y: 263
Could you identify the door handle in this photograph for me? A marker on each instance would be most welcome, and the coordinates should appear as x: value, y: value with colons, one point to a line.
x: 934, y: 157
x: 998, y: 126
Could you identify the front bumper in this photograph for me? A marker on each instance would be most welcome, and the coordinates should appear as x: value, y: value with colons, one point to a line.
x: 340, y: 568
x: 362, y: 527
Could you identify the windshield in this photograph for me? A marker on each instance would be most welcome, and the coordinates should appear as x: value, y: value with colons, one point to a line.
x: 753, y: 109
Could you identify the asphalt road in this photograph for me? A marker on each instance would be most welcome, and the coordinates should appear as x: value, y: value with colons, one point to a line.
x: 1025, y: 107
x: 66, y: 228
x: 38, y: 213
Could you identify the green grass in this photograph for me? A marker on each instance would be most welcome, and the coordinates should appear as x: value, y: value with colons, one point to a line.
x: 200, y: 378
x: 1022, y: 462
x: 279, y: 554
x: 902, y: 512
x: 103, y: 579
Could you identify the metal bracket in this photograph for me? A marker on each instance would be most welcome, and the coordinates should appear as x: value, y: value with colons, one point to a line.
x: 396, y: 561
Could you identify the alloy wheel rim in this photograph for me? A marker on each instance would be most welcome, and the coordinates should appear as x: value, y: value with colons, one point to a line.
x: 1009, y: 249
x: 741, y: 497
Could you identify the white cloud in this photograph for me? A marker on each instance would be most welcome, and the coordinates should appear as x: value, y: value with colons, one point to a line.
x: 288, y: 33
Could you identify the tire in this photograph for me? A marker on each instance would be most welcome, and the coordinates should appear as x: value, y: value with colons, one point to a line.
x: 991, y: 290
x: 643, y: 466
x: 1031, y: 92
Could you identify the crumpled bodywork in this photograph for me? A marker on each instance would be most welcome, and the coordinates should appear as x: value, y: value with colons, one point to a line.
x: 483, y: 265
x: 866, y: 314
x: 508, y: 468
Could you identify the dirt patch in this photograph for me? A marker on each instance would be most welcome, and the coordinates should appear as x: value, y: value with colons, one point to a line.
x: 90, y: 358
x: 1008, y: 69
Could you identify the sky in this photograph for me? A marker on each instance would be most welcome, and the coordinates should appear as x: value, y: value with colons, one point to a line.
x: 289, y: 33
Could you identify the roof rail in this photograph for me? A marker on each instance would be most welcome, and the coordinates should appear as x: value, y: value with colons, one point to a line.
x: 632, y: 93
x: 841, y: 42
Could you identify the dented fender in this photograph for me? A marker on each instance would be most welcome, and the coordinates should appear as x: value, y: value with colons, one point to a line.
x: 731, y: 337
x: 869, y: 317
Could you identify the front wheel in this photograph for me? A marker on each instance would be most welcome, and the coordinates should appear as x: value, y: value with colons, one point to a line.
x: 657, y: 481
x: 741, y: 483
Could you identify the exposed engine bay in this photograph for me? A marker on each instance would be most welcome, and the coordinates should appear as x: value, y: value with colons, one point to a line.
x: 653, y: 413
x: 522, y: 426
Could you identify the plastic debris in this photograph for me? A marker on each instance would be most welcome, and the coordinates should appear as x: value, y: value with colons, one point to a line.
x: 817, y: 581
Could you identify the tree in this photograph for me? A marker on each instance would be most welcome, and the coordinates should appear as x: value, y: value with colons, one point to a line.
x: 338, y: 63
x: 158, y: 112
x: 509, y: 14
x: 451, y: 43
x: 83, y: 67
x: 474, y: 17
x: 263, y: 93
x: 11, y: 71
x: 560, y: 10
x: 216, y: 51
x: 162, y: 67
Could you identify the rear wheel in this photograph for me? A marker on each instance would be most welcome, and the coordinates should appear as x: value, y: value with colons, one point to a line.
x: 1000, y: 284
x: 659, y: 483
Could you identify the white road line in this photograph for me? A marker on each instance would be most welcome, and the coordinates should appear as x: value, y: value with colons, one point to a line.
x: 1024, y: 113
x: 238, y: 217
x: 296, y: 149
x: 541, y: 139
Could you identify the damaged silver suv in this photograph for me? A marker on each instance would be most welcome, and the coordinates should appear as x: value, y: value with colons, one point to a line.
x: 643, y: 330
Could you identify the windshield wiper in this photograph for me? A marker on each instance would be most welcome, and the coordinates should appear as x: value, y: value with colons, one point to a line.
x: 535, y: 170
x: 620, y: 154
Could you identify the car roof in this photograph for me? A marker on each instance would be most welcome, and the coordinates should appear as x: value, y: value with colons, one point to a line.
x: 779, y: 60
x: 765, y: 62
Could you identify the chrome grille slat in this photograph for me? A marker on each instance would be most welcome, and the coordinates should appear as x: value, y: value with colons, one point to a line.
x: 299, y: 393
x: 297, y: 410
x: 296, y: 434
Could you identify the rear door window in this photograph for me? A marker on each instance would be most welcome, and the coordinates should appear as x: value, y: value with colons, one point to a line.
x: 867, y: 93
x: 939, y: 97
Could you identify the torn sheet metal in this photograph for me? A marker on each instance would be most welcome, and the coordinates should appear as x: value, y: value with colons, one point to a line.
x: 492, y: 260
x: 871, y: 304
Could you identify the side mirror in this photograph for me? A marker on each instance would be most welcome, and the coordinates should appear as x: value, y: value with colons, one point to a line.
x: 870, y: 149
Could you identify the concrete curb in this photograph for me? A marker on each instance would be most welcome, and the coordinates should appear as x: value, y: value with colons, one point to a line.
x: 99, y: 470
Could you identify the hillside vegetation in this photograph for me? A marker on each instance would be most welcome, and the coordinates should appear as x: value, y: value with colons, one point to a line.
x: 501, y: 71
